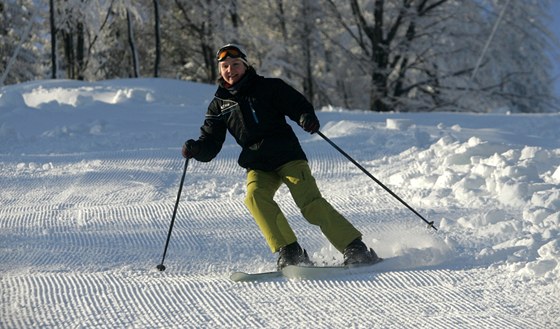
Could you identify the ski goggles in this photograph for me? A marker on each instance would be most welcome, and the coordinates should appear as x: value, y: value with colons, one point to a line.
x: 229, y: 51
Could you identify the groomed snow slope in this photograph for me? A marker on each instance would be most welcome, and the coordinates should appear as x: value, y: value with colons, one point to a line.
x: 89, y: 173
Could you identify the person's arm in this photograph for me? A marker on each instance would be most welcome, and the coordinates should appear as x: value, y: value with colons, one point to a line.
x: 296, y: 107
x: 212, y: 137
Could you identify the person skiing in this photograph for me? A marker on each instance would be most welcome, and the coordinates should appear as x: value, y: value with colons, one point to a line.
x: 253, y: 109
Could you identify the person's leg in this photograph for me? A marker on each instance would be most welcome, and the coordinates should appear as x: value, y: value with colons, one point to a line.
x: 316, y: 210
x: 261, y: 187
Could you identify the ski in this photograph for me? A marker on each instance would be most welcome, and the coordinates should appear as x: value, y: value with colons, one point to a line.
x: 302, y: 272
x: 249, y: 277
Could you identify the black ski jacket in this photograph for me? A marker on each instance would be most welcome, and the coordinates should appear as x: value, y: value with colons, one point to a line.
x: 255, y: 115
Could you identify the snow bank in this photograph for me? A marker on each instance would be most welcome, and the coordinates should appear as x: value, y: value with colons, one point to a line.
x: 70, y: 116
x: 513, y: 190
x: 490, y: 182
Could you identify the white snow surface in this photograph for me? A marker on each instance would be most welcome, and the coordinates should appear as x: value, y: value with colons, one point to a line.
x: 89, y: 175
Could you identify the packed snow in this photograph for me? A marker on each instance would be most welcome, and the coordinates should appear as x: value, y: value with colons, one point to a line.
x: 89, y: 175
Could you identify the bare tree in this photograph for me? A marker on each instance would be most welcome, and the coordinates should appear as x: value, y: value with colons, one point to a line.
x: 72, y: 22
x: 196, y: 23
x: 157, y: 37
x: 379, y: 35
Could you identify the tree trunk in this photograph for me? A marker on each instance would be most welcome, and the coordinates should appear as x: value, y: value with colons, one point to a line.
x: 380, y: 59
x: 132, y: 45
x: 306, y: 45
x: 282, y: 20
x: 207, y: 47
x: 80, y: 52
x: 158, y: 38
x: 378, y: 53
x: 234, y: 16
x: 69, y: 54
x: 54, y: 67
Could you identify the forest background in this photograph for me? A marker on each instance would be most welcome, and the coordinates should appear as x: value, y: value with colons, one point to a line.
x: 379, y: 55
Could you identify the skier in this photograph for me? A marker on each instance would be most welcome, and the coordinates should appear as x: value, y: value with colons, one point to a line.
x: 254, y: 109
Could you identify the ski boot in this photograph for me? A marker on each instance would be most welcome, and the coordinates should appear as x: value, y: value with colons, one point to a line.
x: 292, y: 254
x: 356, y: 253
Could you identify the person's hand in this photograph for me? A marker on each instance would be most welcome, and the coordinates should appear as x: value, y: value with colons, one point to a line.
x: 309, y: 123
x: 190, y: 149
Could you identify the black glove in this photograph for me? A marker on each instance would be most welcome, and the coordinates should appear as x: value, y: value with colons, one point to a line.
x: 190, y: 149
x: 309, y: 123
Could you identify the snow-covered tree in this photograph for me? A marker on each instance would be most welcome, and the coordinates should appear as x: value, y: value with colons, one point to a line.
x: 195, y: 30
x: 382, y: 55
x: 20, y: 42
x: 422, y: 54
x: 514, y: 66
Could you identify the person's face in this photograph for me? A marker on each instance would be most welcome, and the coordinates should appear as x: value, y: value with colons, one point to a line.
x: 232, y: 70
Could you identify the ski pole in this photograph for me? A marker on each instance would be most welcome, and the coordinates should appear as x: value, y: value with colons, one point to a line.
x: 430, y: 224
x: 161, y: 267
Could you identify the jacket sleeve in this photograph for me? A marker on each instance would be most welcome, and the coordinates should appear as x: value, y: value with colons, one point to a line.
x: 212, y: 135
x: 291, y: 102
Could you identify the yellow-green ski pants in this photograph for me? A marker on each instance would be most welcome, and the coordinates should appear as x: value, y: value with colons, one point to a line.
x: 261, y: 187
